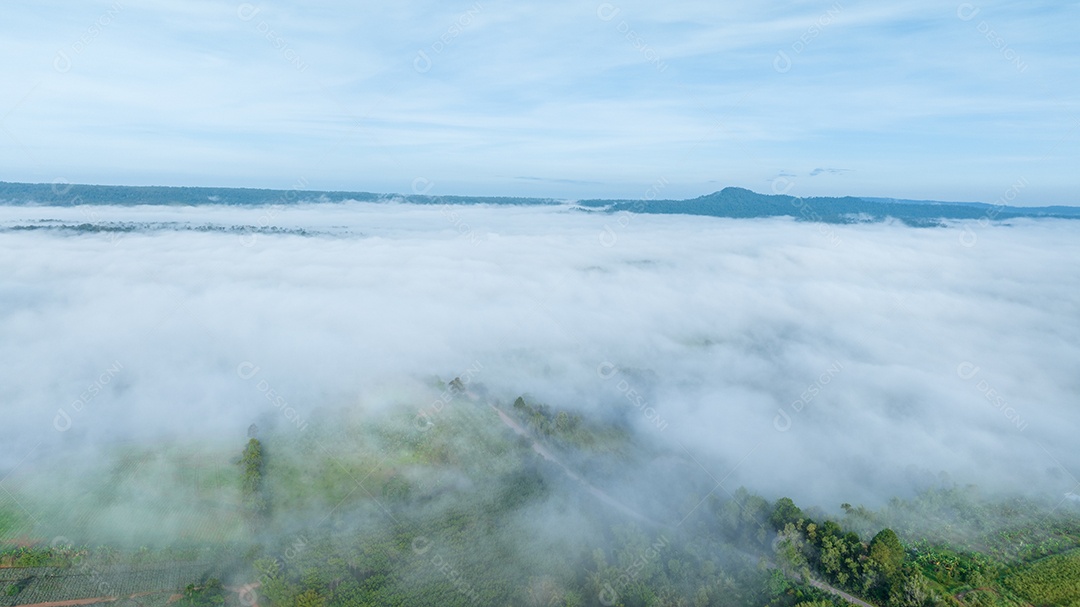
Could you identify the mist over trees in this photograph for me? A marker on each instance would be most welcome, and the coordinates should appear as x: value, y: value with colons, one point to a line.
x: 376, y: 403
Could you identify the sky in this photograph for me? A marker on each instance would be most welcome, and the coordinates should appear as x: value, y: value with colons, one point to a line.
x: 829, y: 363
x: 921, y: 99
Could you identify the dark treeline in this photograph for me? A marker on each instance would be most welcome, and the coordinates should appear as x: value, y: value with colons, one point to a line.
x: 65, y: 194
x: 462, y: 511
x: 742, y: 203
x: 729, y: 202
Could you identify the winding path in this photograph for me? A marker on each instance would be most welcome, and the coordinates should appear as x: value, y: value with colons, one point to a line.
x: 549, y: 456
x: 546, y: 453
x: 840, y: 593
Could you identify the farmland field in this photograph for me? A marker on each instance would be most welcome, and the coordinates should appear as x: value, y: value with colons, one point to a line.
x: 1054, y: 580
x: 25, y: 586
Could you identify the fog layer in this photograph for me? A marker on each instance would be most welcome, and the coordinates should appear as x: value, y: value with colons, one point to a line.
x: 828, y: 363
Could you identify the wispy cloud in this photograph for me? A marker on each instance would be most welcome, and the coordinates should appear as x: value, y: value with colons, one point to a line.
x: 256, y: 94
x: 829, y: 171
x: 867, y: 347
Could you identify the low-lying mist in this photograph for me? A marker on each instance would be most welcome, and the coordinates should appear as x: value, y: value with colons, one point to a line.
x: 828, y: 363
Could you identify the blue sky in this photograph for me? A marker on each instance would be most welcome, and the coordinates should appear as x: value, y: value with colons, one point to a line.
x: 937, y: 100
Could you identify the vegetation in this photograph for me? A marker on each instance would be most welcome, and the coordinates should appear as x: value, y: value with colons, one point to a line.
x: 729, y: 202
x: 251, y: 482
x: 210, y: 594
x: 743, y: 203
x: 459, y: 510
x: 568, y: 430
x: 91, y: 579
x: 63, y: 194
x: 1054, y: 580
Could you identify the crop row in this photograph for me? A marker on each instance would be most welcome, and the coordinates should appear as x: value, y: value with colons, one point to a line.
x: 40, y: 585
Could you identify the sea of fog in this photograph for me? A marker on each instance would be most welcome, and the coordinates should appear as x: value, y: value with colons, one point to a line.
x: 825, y: 362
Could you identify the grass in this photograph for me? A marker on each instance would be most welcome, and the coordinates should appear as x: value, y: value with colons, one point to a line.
x: 12, y: 523
x: 1054, y: 580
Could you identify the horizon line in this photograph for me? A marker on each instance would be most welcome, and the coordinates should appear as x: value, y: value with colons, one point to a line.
x: 65, y: 184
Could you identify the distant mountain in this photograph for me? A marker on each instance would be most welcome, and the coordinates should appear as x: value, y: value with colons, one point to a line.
x: 75, y: 194
x: 729, y: 202
x: 743, y: 203
x: 911, y: 201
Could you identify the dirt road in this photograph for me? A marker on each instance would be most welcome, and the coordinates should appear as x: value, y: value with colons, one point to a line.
x: 546, y: 453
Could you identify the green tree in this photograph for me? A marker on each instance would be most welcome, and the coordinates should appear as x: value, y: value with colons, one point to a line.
x: 310, y: 598
x: 212, y: 594
x: 887, y: 552
x: 562, y: 422
x: 251, y: 481
x: 785, y: 511
x: 789, y: 548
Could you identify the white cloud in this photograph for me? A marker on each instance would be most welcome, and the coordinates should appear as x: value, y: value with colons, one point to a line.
x: 191, y: 93
x: 721, y: 324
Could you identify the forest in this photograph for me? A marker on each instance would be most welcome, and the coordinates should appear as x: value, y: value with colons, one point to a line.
x: 730, y: 202
x: 517, y: 503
